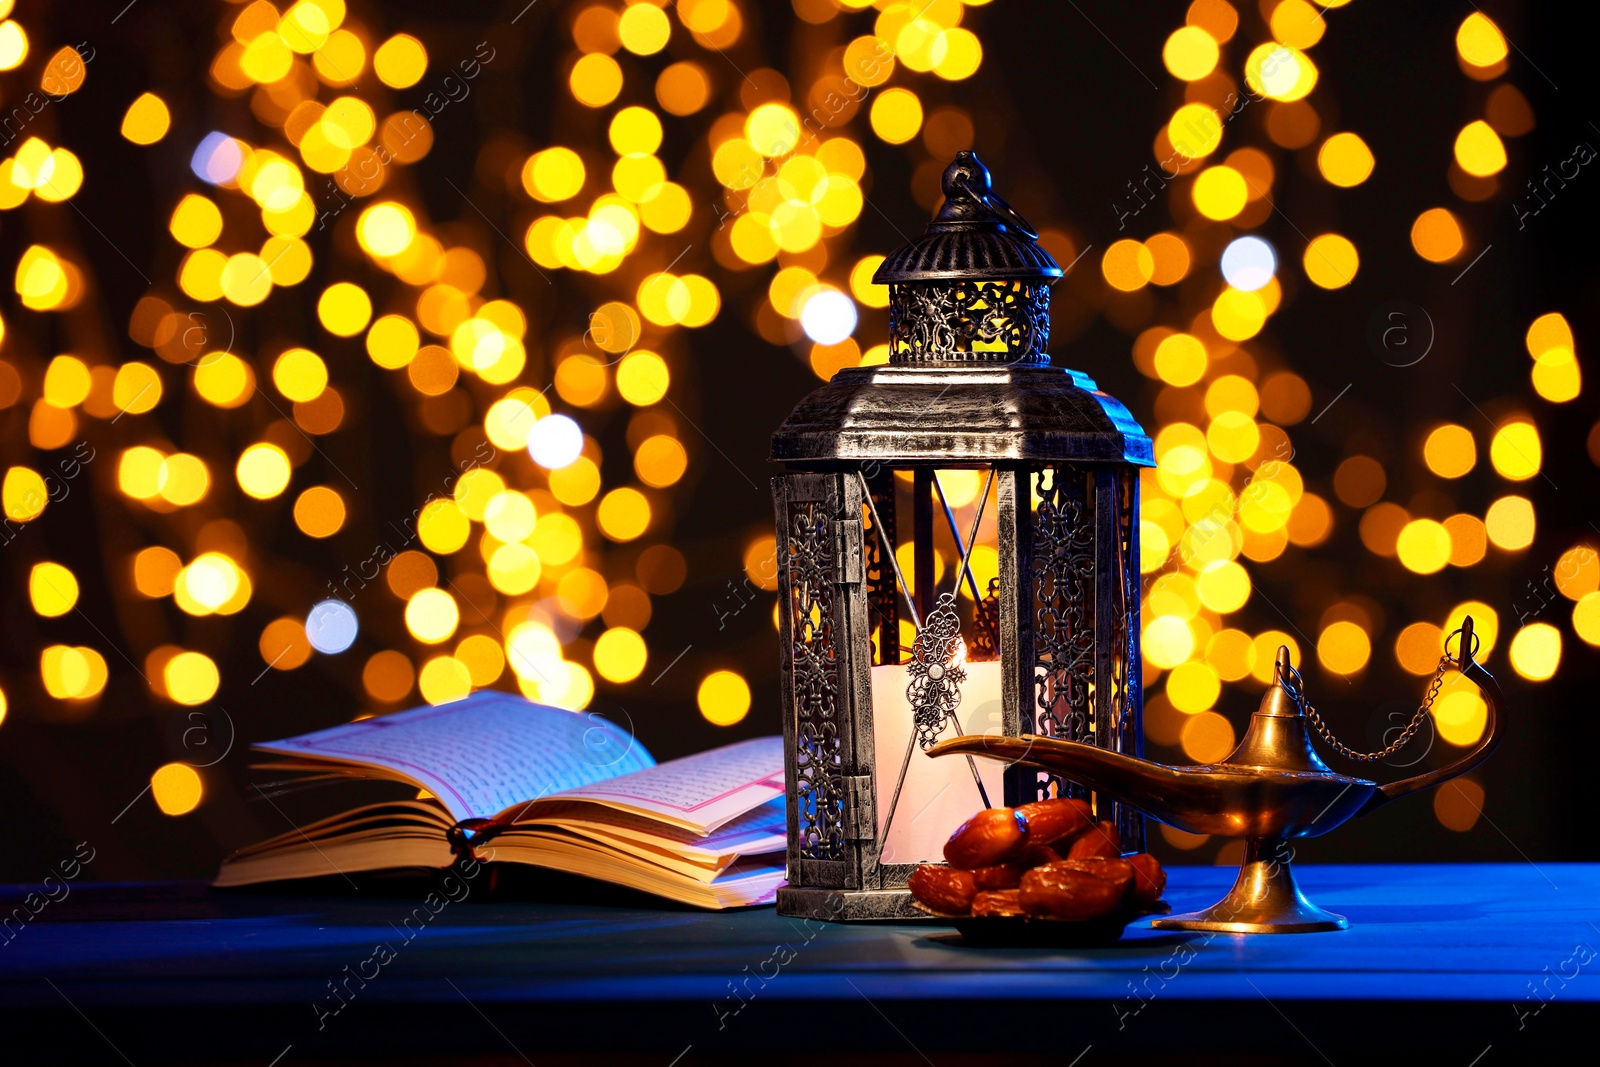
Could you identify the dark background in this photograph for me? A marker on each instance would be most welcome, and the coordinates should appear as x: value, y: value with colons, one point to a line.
x: 1065, y: 119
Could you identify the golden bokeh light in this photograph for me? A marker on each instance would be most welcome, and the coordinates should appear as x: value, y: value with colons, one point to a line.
x: 147, y: 119
x: 896, y: 115
x: 344, y: 309
x: 1423, y: 546
x: 1459, y: 804
x: 1510, y: 523
x: 1577, y: 572
x: 683, y: 88
x: 1516, y: 451
x: 1190, y: 53
x: 1549, y: 331
x: 1127, y: 265
x: 432, y: 615
x: 1536, y: 651
x: 723, y: 698
x: 1195, y: 130
x: 1418, y: 647
x: 1479, y: 150
x: 263, y: 470
x: 1459, y: 715
x: 388, y: 676
x: 400, y: 62
x: 623, y: 514
x: 1331, y: 261
x: 644, y: 29
x: 1450, y: 451
x: 191, y: 678
x: 319, y: 511
x: 1207, y: 737
x: 1556, y: 375
x: 177, y: 788
x: 620, y: 655
x: 1586, y: 618
x: 1343, y: 647
x: 53, y: 589
x: 283, y: 644
x: 1280, y: 72
x: 443, y: 679
x: 1220, y: 193
x: 1436, y: 235
x: 1479, y: 41
x: 1193, y: 687
x: 1469, y: 539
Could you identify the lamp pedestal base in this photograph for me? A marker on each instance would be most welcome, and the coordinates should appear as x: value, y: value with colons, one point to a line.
x: 1264, y: 900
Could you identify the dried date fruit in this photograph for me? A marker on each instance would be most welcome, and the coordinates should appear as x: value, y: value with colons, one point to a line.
x: 1059, y: 892
x: 997, y: 902
x: 1052, y: 820
x: 1100, y: 839
x: 944, y: 889
x: 1119, y: 871
x: 1149, y: 879
x: 1036, y: 856
x: 986, y: 838
x: 999, y: 875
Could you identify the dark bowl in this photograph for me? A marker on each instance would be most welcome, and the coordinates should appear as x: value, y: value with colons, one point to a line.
x: 1029, y: 931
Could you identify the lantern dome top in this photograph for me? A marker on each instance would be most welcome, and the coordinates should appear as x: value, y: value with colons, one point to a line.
x: 976, y: 235
x: 969, y: 379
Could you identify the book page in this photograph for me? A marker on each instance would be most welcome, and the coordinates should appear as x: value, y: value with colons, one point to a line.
x: 762, y: 829
x: 699, y: 792
x: 489, y: 753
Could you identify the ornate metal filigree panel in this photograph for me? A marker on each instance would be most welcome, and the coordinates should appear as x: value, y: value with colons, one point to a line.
x: 815, y: 671
x: 943, y: 321
x: 1063, y: 588
x: 935, y: 672
x: 1127, y: 716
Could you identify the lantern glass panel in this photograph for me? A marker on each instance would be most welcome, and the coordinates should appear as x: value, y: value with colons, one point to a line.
x: 920, y: 696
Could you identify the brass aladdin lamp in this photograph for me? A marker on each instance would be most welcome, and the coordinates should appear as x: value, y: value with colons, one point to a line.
x: 1272, y: 789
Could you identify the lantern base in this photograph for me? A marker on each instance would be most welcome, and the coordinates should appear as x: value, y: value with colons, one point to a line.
x: 851, y: 905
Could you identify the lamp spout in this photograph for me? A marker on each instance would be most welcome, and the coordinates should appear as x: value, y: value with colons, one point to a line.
x: 1154, y: 788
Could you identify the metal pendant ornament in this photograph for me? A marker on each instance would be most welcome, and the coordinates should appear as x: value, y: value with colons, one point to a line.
x: 936, y: 674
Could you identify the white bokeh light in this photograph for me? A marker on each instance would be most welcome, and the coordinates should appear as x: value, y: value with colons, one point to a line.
x: 828, y: 317
x: 331, y: 627
x: 1249, y: 263
x: 555, y: 442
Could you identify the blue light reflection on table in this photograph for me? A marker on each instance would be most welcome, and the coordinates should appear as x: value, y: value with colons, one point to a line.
x: 1459, y: 935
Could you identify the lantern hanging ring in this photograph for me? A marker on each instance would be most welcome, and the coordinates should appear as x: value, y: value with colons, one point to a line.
x: 1002, y: 211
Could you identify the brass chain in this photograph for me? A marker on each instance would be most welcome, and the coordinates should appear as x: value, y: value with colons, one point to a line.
x: 1445, y: 663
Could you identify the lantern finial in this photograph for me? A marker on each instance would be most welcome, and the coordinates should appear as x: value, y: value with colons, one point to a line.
x: 975, y: 288
x: 969, y: 198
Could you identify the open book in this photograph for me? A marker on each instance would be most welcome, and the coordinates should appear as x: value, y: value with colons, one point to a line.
x: 518, y: 782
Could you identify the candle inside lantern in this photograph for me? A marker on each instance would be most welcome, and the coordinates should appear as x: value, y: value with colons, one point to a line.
x: 938, y: 794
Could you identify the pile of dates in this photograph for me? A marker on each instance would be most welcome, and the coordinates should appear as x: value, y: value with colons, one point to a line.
x: 1049, y: 860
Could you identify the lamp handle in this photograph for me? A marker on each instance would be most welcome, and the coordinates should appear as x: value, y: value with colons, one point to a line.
x: 1493, y: 697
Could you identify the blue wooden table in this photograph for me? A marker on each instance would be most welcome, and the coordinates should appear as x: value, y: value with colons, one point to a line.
x: 1460, y: 964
